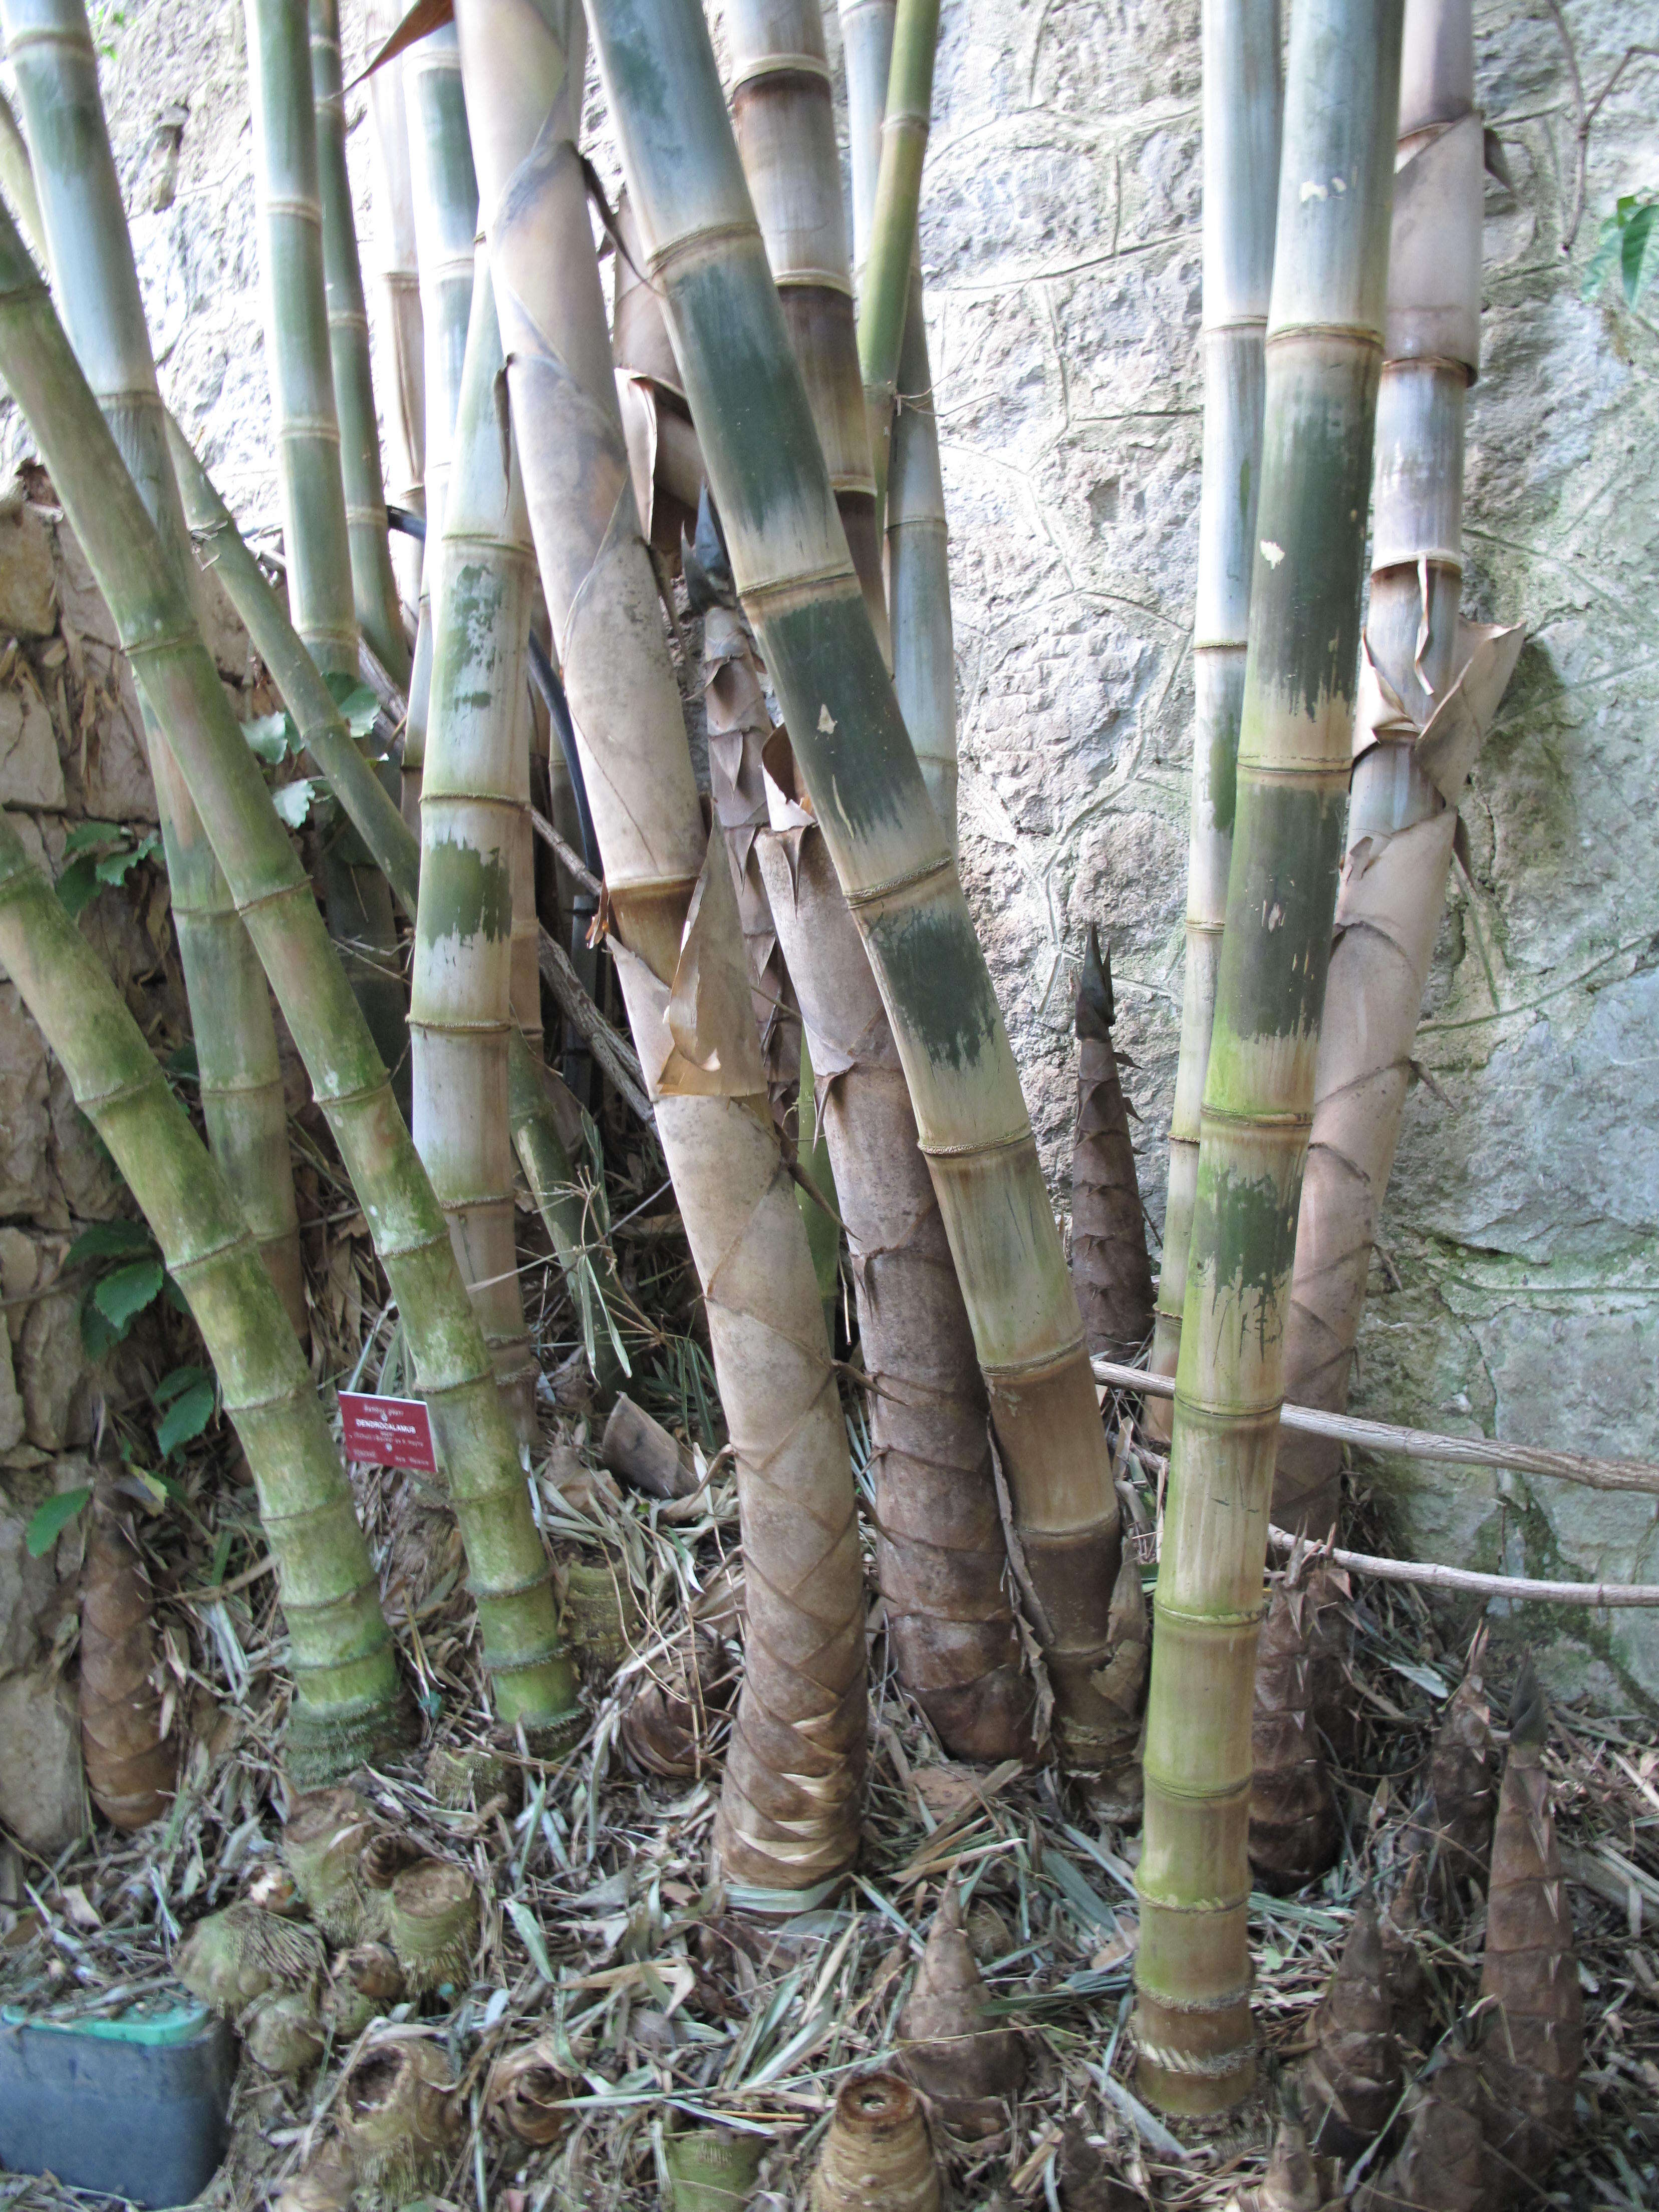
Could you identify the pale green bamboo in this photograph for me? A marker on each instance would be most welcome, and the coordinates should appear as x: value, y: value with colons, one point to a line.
x: 17, y: 179
x: 473, y: 804
x: 542, y: 1151
x: 790, y: 558
x: 397, y: 288
x: 85, y: 237
x: 446, y: 192
x: 866, y: 38
x: 349, y: 1703
x: 883, y: 293
x: 375, y: 588
x: 316, y: 539
x: 531, y: 1679
x: 788, y: 1818
x: 1241, y: 103
x: 1324, y: 347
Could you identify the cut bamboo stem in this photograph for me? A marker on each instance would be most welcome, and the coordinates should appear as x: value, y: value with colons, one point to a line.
x: 1420, y: 1443
x: 374, y: 587
x: 1323, y: 353
x: 537, y: 1135
x: 798, y: 586
x: 446, y: 192
x: 531, y: 1679
x: 348, y: 1705
x: 473, y: 803
x: 788, y: 1821
x: 884, y: 291
x: 316, y: 537
x: 1431, y: 687
x: 84, y: 235
x: 397, y: 288
x: 1241, y: 109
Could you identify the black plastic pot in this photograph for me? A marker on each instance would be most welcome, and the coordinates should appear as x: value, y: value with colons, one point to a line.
x: 132, y: 2108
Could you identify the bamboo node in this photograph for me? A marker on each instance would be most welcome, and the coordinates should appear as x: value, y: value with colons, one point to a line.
x: 912, y: 877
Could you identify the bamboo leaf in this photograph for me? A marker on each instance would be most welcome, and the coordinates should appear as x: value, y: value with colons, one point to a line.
x: 50, y: 1520
x: 1637, y: 234
x: 530, y: 1935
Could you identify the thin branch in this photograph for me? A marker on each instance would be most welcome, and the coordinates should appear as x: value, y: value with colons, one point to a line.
x: 569, y: 858
x: 1432, y: 1576
x: 608, y: 1046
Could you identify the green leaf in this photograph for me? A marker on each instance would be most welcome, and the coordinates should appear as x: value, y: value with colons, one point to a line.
x: 272, y: 736
x: 110, y: 1240
x: 185, y: 1418
x: 355, y: 702
x: 86, y: 836
x: 122, y: 1295
x: 78, y: 885
x: 116, y: 867
x: 1633, y: 250
x: 50, y: 1519
x: 293, y: 801
x: 180, y: 1379
x: 97, y: 1337
x: 530, y: 1935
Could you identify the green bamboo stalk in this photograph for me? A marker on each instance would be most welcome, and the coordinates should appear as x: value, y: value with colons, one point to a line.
x: 918, y: 557
x: 17, y: 179
x: 1437, y: 685
x: 542, y: 1153
x: 790, y: 559
x: 1242, y: 104
x: 375, y: 588
x: 531, y: 1679
x: 1324, y: 347
x: 883, y: 294
x: 474, y: 800
x: 785, y: 122
x: 316, y: 538
x: 85, y: 236
x: 787, y: 1826
x: 397, y: 290
x: 348, y: 1703
x: 446, y: 192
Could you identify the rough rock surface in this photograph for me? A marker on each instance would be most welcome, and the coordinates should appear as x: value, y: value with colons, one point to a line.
x: 1061, y: 239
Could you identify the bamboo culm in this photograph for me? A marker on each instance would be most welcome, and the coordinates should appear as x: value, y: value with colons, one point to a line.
x: 475, y: 801
x: 537, y: 1137
x: 1431, y: 687
x: 1241, y: 110
x: 375, y: 588
x: 884, y: 291
x: 1323, y: 355
x: 349, y: 1703
x: 398, y: 291
x: 531, y: 1679
x: 446, y: 193
x: 84, y: 234
x: 796, y: 578
x: 918, y: 560
x: 788, y: 1820
x: 784, y: 118
x: 316, y: 539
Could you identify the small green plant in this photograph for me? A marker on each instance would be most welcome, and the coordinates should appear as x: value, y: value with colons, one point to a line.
x: 101, y: 853
x: 1628, y: 241
x: 277, y: 739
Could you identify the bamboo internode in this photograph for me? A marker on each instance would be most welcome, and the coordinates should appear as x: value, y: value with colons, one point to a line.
x: 397, y: 280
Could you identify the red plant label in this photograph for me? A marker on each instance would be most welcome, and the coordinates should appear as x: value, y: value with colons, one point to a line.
x: 387, y: 1432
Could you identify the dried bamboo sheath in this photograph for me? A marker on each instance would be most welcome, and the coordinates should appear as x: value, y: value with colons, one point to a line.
x: 85, y: 235
x: 1323, y: 351
x: 398, y: 291
x: 785, y: 124
x: 1431, y: 690
x: 509, y: 1578
x: 344, y: 1663
x: 799, y: 588
x: 475, y: 806
x: 375, y: 588
x: 789, y: 1810
x: 1242, y: 104
x: 316, y: 537
x: 446, y: 194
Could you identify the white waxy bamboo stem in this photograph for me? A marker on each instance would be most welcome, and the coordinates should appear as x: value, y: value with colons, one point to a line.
x: 1241, y: 108
x: 397, y: 290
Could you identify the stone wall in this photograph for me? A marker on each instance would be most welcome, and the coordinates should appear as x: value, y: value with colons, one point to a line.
x: 1518, y: 1291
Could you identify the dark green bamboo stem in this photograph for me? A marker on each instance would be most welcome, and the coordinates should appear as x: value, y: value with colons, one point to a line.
x: 349, y: 1703
x: 316, y: 537
x: 542, y: 1153
x: 84, y: 234
x: 375, y: 588
x: 1324, y: 347
x: 531, y: 1678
